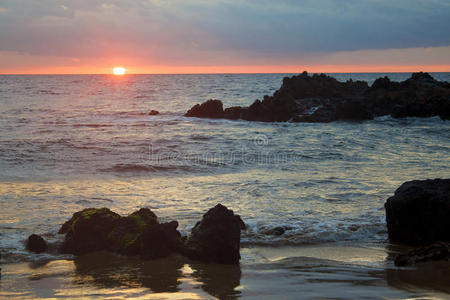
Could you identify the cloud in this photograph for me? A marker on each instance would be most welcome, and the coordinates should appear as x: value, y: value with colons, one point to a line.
x: 205, y: 32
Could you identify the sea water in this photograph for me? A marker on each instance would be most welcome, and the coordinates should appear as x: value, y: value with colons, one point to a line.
x: 69, y: 142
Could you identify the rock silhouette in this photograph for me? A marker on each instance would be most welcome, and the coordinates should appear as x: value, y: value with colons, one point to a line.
x: 216, y: 238
x: 321, y: 98
x: 35, y: 243
x: 418, y: 212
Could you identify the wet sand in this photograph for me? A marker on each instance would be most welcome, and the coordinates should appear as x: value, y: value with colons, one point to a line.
x: 334, y: 271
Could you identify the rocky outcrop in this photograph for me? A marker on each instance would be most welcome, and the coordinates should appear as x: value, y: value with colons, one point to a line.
x: 436, y: 251
x: 161, y: 240
x: 88, y: 230
x: 419, y: 96
x: 35, y: 243
x: 210, y: 109
x: 418, y: 213
x: 321, y: 98
x: 215, y: 238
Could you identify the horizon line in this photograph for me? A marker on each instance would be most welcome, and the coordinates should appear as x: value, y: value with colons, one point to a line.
x: 221, y: 73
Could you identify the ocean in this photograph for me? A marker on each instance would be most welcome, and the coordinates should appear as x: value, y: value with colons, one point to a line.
x: 69, y: 142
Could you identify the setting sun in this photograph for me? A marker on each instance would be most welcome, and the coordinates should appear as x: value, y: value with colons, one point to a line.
x: 119, y: 71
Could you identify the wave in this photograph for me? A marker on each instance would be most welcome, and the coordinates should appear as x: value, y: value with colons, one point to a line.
x: 135, y: 168
x: 198, y: 137
x: 308, y: 233
x: 93, y: 125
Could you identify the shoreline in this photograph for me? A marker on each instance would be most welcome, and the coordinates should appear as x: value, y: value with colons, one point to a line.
x: 342, y: 270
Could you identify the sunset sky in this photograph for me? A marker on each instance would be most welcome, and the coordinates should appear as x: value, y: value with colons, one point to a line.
x: 224, y: 36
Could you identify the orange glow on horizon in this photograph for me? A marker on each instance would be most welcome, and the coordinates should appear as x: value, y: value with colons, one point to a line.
x: 233, y: 69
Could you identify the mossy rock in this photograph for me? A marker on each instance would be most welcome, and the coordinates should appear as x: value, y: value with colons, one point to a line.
x: 86, y: 214
x: 95, y: 229
x: 88, y: 230
x: 125, y: 237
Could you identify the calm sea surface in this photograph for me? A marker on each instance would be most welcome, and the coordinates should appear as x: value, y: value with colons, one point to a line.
x: 76, y: 141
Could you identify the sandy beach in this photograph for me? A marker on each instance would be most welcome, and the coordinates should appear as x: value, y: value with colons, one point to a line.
x: 333, y: 271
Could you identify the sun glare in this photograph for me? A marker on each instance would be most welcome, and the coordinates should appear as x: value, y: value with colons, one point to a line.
x: 119, y: 71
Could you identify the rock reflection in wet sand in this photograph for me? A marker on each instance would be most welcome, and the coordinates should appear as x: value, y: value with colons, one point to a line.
x: 173, y: 274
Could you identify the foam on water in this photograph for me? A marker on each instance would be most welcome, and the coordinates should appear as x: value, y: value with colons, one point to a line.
x: 71, y: 142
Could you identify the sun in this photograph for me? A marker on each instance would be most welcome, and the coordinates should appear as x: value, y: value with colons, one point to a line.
x: 119, y: 71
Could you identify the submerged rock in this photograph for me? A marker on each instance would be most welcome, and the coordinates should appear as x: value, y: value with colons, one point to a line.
x: 437, y: 251
x: 418, y: 213
x: 321, y: 98
x: 216, y: 237
x: 277, y: 231
x: 35, y: 243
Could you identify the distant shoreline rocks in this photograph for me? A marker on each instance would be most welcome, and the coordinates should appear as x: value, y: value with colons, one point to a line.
x: 321, y: 98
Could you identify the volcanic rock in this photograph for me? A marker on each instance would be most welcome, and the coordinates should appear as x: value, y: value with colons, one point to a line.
x: 321, y: 98
x: 216, y: 237
x: 210, y: 109
x: 418, y: 213
x: 35, y: 243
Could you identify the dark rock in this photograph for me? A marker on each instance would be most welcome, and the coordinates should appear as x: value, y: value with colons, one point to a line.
x: 352, y: 111
x: 329, y: 110
x: 418, y: 213
x: 35, y: 243
x: 436, y: 251
x: 444, y: 110
x: 216, y: 237
x: 319, y: 86
x: 321, y: 98
x: 125, y: 238
x: 95, y: 229
x: 383, y: 83
x: 422, y: 77
x: 419, y: 96
x: 233, y: 113
x: 279, y: 230
x: 153, y: 112
x: 412, y: 110
x: 241, y: 223
x: 88, y: 230
x: 160, y: 240
x: 209, y: 109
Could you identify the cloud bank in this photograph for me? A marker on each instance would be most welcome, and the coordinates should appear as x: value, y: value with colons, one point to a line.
x: 225, y: 32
